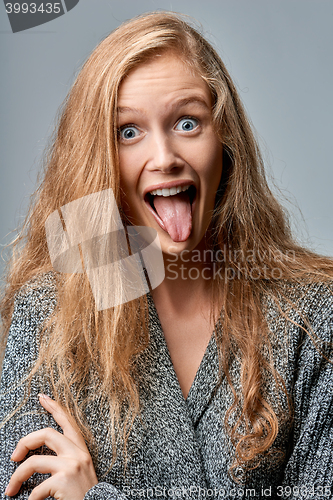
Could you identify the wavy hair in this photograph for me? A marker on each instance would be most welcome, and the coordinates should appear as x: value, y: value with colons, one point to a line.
x: 84, y: 346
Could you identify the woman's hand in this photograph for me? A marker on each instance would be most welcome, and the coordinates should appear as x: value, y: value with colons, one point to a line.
x: 72, y: 471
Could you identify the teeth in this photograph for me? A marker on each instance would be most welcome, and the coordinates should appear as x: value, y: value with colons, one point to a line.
x: 169, y: 192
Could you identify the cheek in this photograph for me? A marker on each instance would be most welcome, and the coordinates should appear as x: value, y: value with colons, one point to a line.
x: 211, y: 167
x: 131, y: 160
x: 127, y: 174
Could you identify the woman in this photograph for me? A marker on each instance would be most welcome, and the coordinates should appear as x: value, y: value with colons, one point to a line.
x: 218, y: 381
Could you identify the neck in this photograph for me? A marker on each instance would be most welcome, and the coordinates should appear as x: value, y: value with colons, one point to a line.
x: 188, y: 281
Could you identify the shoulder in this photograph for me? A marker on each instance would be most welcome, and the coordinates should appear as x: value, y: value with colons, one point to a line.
x: 33, y: 304
x: 313, y: 298
x: 305, y: 303
x: 300, y: 327
x: 314, y: 308
x: 37, y: 297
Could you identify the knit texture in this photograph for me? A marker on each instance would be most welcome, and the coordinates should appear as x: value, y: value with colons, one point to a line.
x: 179, y: 448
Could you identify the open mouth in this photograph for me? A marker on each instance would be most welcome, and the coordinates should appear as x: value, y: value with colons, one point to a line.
x: 172, y: 208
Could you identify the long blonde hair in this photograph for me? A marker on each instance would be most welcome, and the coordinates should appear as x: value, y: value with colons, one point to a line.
x: 83, y: 159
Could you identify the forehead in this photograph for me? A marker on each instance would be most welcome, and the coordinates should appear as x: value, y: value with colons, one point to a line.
x: 164, y: 78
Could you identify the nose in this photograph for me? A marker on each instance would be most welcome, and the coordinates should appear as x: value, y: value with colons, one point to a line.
x: 164, y: 155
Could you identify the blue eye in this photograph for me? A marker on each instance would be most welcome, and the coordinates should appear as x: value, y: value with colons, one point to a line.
x: 128, y: 132
x: 187, y: 124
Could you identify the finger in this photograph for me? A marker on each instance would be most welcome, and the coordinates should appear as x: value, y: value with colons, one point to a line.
x: 44, y: 490
x: 37, y: 463
x: 68, y: 425
x: 49, y: 437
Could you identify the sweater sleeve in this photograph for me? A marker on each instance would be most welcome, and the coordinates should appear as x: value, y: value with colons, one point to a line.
x: 309, y: 471
x: 31, y: 309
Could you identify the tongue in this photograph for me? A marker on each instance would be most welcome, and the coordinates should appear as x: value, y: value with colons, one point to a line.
x: 176, y: 214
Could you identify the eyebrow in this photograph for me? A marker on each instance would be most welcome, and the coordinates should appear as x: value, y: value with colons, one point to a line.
x: 196, y: 99
x: 179, y: 103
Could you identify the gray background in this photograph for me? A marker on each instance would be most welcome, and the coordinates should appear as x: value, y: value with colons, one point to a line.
x: 279, y: 53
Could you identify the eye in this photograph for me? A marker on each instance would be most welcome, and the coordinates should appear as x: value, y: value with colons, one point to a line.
x: 187, y: 124
x: 128, y: 132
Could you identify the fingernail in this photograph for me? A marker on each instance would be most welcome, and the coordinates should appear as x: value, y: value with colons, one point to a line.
x: 12, y: 457
x: 6, y: 490
x: 43, y: 396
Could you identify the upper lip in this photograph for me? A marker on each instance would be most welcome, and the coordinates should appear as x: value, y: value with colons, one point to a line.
x: 168, y: 185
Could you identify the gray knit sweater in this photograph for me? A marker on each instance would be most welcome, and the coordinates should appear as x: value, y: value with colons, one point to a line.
x: 179, y: 448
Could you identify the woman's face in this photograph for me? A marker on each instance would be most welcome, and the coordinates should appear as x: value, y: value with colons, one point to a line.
x: 170, y: 157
